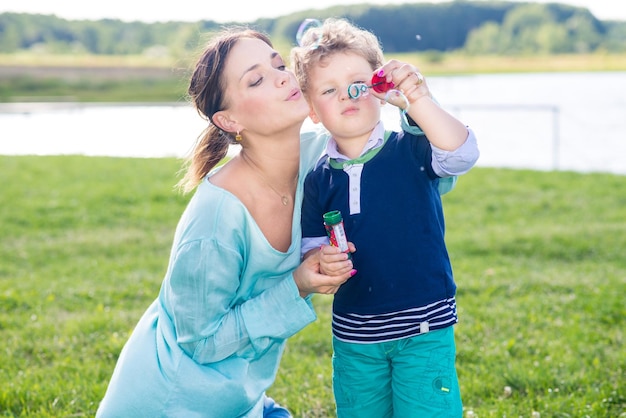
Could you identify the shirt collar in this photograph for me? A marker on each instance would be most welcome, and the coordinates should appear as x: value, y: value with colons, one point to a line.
x: 376, y: 139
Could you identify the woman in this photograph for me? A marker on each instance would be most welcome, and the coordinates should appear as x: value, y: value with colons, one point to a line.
x: 210, y: 344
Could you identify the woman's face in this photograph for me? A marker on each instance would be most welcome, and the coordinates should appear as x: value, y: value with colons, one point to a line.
x: 261, y: 94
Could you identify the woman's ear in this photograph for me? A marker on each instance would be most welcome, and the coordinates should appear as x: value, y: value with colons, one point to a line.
x: 223, y: 121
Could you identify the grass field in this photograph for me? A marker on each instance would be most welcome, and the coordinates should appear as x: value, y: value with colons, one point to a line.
x: 539, y: 260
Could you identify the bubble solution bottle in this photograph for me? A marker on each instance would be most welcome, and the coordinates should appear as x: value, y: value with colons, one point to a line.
x: 333, y: 222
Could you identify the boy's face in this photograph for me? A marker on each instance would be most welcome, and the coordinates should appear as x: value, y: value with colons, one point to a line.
x: 345, y: 118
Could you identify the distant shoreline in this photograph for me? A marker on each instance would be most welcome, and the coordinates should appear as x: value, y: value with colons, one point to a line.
x: 74, y: 72
x: 65, y: 103
x: 434, y: 63
x: 115, y: 79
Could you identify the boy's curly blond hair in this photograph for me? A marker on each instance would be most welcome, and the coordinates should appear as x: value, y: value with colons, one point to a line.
x: 334, y: 36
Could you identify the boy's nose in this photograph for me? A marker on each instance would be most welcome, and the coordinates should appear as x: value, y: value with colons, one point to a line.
x: 344, y: 95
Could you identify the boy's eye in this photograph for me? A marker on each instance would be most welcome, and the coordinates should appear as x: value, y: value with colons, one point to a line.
x: 281, y: 67
x: 329, y: 91
x: 257, y: 82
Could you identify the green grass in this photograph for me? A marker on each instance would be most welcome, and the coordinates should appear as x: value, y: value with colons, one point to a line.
x: 539, y: 260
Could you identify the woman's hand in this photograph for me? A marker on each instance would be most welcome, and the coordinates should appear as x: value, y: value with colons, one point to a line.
x: 337, y: 268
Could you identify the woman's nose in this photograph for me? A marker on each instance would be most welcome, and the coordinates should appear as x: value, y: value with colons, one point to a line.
x: 283, y: 77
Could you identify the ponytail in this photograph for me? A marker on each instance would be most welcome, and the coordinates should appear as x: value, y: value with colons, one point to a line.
x: 210, y: 148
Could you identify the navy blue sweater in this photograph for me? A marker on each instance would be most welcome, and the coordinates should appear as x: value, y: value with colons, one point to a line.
x: 401, y: 256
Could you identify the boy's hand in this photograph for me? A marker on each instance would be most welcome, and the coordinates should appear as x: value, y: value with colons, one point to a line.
x: 407, y: 79
x: 333, y: 262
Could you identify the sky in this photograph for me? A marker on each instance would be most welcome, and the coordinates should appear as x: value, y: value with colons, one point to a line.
x: 234, y: 10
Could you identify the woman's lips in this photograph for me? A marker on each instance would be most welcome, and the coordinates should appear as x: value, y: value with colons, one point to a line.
x: 294, y: 94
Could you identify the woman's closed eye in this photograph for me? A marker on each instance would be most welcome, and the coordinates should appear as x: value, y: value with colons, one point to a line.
x: 258, y: 81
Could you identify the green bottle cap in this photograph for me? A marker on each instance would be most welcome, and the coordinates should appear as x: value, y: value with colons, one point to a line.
x: 332, y: 217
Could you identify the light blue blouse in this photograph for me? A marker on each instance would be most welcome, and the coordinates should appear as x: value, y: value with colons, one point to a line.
x: 211, y: 343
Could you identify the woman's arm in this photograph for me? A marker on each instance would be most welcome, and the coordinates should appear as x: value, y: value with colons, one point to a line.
x: 201, y: 293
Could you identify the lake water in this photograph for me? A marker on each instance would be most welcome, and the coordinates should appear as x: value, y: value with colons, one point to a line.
x: 564, y: 121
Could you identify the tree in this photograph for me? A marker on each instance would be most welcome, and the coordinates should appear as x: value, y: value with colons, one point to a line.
x: 485, y: 40
x: 537, y: 29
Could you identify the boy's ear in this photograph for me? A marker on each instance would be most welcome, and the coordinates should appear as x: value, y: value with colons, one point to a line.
x: 313, y: 116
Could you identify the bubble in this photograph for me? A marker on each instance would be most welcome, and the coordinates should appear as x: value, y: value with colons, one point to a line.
x: 356, y: 90
x: 309, y: 33
x: 418, y: 37
x: 393, y: 96
x: 397, y: 98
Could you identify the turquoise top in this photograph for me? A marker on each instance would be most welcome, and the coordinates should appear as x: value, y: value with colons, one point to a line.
x: 211, y: 343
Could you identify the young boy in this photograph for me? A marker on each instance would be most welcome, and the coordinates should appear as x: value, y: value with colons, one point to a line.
x: 393, y: 340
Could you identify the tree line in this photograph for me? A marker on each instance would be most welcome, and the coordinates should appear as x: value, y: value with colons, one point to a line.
x: 472, y: 27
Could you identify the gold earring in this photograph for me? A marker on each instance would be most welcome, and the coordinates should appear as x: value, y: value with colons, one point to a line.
x: 238, y: 137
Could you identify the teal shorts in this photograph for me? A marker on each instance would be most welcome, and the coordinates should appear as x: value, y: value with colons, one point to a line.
x: 412, y: 377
